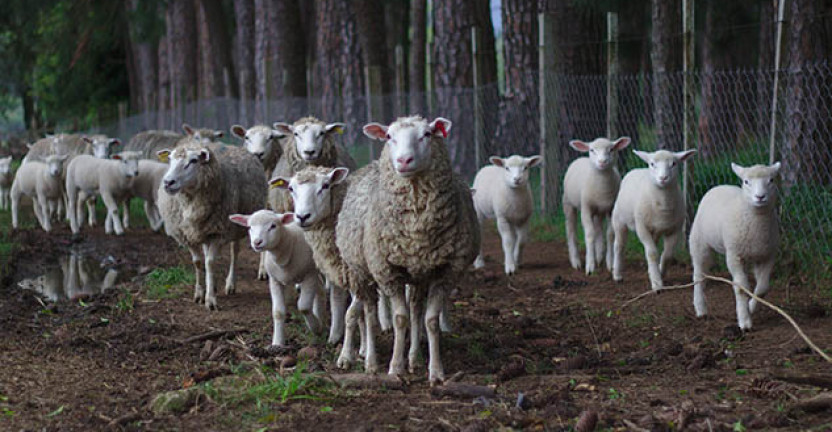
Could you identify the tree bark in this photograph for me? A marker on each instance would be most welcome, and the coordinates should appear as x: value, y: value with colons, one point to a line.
x: 418, y: 50
x: 717, y: 131
x: 665, y: 54
x: 164, y: 80
x: 244, y: 46
x: 291, y: 50
x: 215, y: 50
x: 182, y: 40
x: 632, y: 22
x: 369, y: 16
x: 265, y: 57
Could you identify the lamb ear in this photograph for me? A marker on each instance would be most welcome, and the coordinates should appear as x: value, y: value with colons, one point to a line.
x: 219, y: 134
x: 775, y: 168
x: 683, y: 155
x: 496, y: 160
x: 87, y: 140
x: 287, y: 218
x: 238, y: 131
x: 621, y: 143
x: 338, y: 175
x: 643, y: 156
x: 279, y: 183
x: 276, y: 134
x: 285, y: 129
x: 30, y: 145
x: 738, y: 170
x: 534, y: 161
x: 116, y: 157
x: 376, y: 131
x: 114, y: 141
x: 335, y: 127
x: 239, y: 219
x: 187, y: 129
x: 441, y: 125
x: 204, y: 156
x: 579, y: 145
x: 163, y: 155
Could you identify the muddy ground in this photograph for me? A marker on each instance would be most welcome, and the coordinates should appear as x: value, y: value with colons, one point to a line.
x: 560, y: 338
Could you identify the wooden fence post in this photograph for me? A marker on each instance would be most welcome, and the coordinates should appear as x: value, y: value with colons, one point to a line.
x: 549, y: 140
x: 612, y: 75
x: 689, y: 99
x: 479, y: 132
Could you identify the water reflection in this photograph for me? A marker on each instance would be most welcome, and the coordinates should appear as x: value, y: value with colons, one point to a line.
x: 75, y: 277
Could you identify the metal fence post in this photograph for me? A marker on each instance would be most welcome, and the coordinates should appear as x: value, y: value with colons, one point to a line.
x: 778, y: 46
x: 612, y: 75
x: 548, y: 115
x: 688, y: 100
x: 479, y: 133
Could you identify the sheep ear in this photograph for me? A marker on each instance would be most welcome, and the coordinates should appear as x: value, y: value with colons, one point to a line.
x: 238, y: 131
x: 338, y: 175
x: 335, y: 127
x: 30, y: 145
x: 738, y: 170
x: 239, y: 219
x: 87, y: 140
x: 534, y: 161
x: 643, y: 156
x: 114, y: 141
x: 61, y: 157
x: 279, y: 183
x: 376, y: 131
x: 496, y: 160
x: 187, y: 129
x: 287, y: 218
x: 683, y: 155
x: 116, y: 157
x: 275, y: 134
x: 775, y: 168
x: 163, y: 155
x: 579, y: 145
x: 283, y: 128
x: 204, y: 156
x: 219, y: 134
x: 441, y: 125
x: 621, y: 143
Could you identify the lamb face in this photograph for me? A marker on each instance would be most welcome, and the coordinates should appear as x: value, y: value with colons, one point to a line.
x: 309, y: 137
x: 516, y: 169
x: 183, y: 170
x: 101, y: 145
x: 259, y: 141
x: 311, y: 194
x: 55, y: 164
x: 265, y: 228
x: 129, y: 163
x: 5, y: 165
x: 204, y: 136
x: 601, y: 151
x: 409, y: 142
x: 758, y: 187
x: 664, y: 165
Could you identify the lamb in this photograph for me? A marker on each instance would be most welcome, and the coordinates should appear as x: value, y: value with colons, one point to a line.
x: 263, y: 142
x: 319, y: 194
x: 506, y: 197
x: 42, y: 182
x: 64, y: 144
x: 288, y: 262
x: 101, y: 145
x: 203, y: 135
x: 409, y: 220
x: 591, y: 185
x: 203, y: 185
x: 742, y: 224
x: 111, y: 178
x: 6, y: 178
x: 651, y: 203
x: 146, y: 186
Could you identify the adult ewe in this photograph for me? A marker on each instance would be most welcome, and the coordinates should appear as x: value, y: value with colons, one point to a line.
x: 204, y: 184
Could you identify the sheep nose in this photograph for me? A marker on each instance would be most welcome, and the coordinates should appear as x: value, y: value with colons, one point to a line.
x: 309, y: 152
x: 303, y: 218
x: 259, y: 155
x: 169, y: 183
x: 258, y: 243
x: 760, y: 197
x: 664, y: 178
x: 404, y: 161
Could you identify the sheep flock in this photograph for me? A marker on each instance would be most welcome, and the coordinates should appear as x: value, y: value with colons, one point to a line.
x: 404, y: 229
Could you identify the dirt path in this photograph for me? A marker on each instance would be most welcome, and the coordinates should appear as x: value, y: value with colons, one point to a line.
x: 558, y: 337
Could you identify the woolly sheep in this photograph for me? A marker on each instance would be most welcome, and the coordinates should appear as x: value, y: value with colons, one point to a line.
x: 507, y: 197
x: 40, y: 181
x: 203, y: 135
x: 150, y: 142
x: 101, y: 145
x: 263, y: 142
x: 111, y: 178
x: 203, y: 185
x: 650, y: 203
x: 319, y: 196
x: 591, y: 185
x: 410, y: 220
x: 288, y: 262
x: 6, y: 178
x: 62, y: 144
x: 742, y: 224
x: 145, y: 186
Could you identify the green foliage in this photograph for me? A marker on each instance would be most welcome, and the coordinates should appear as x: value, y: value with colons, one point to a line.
x: 168, y: 283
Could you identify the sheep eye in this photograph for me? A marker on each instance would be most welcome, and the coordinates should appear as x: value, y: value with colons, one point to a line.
x: 592, y: 150
x: 325, y: 186
x: 387, y: 137
x: 291, y: 190
x: 673, y: 164
x: 745, y: 181
x: 771, y: 180
x: 272, y: 227
x: 295, y: 133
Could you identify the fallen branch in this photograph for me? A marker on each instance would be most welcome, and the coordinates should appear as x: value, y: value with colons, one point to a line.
x: 817, y: 380
x: 366, y: 381
x: 216, y: 334
x: 127, y: 418
x: 820, y: 402
x: 634, y: 427
x: 463, y: 391
x: 656, y: 291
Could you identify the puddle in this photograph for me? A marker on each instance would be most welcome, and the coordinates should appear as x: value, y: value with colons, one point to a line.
x: 75, y: 276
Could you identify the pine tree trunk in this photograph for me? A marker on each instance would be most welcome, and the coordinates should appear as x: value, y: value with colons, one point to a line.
x: 632, y: 24
x: 215, y: 50
x: 182, y: 40
x: 244, y: 59
x: 369, y: 16
x: 418, y: 50
x: 765, y: 64
x: 717, y: 128
x: 666, y: 58
x: 291, y: 50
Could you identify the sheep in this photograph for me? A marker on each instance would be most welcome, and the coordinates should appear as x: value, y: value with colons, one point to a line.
x: 146, y: 186
x: 409, y: 220
x: 150, y: 142
x: 288, y: 262
x: 742, y: 224
x: 591, y: 185
x: 309, y: 141
x: 650, y: 202
x: 42, y: 182
x: 6, y: 178
x: 111, y: 178
x: 101, y: 145
x: 263, y: 142
x: 319, y: 194
x: 507, y: 197
x: 66, y: 144
x: 203, y: 185
x: 203, y: 135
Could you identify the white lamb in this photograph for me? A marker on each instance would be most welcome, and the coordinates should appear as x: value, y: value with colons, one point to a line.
x: 40, y: 181
x: 651, y: 203
x: 742, y: 224
x: 6, y: 179
x: 506, y: 196
x: 146, y: 186
x: 111, y: 178
x: 591, y: 185
x: 288, y: 262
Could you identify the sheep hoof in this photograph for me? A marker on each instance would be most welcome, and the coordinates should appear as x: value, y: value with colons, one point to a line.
x: 262, y: 275
x: 344, y: 361
x: 576, y: 265
x: 396, y: 370
x: 618, y: 279
x: 230, y: 289
x: 436, y: 378
x: 370, y: 365
x: 479, y: 263
x: 211, y: 304
x: 510, y: 270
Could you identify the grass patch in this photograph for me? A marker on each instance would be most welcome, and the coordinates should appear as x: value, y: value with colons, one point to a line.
x: 168, y: 283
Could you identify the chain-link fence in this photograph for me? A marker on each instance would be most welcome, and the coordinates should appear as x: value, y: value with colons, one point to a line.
x: 732, y: 122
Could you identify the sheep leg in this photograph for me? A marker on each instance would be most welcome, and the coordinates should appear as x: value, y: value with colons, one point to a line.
x: 199, y: 290
x: 522, y: 233
x: 231, y: 279
x: 15, y: 198
x: 651, y: 251
x: 278, y: 311
x: 480, y: 261
x: 416, y: 312
x: 319, y: 302
x: 588, y: 222
x: 362, y: 333
x: 125, y: 216
x: 112, y: 211
x: 735, y: 266
x: 3, y: 199
x: 618, y: 254
x: 600, y: 240
x: 670, y: 243
x: 337, y: 305
x: 571, y: 237
x: 610, y: 243
x: 370, y: 317
x: 90, y: 203
x: 436, y: 373
x: 210, y: 250
x: 507, y: 235
x: 400, y: 323
x: 762, y: 273
x: 45, y: 221
x: 152, y: 216
x: 261, y: 269
x: 308, y: 291
x: 384, y: 319
x: 353, y: 313
x: 701, y: 259
x: 445, y: 317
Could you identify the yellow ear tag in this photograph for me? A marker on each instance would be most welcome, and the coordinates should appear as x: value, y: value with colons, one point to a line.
x: 164, y: 157
x: 277, y: 184
x: 339, y: 130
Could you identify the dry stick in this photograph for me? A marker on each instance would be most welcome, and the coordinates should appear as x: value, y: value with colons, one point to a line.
x: 656, y: 291
x: 591, y: 329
